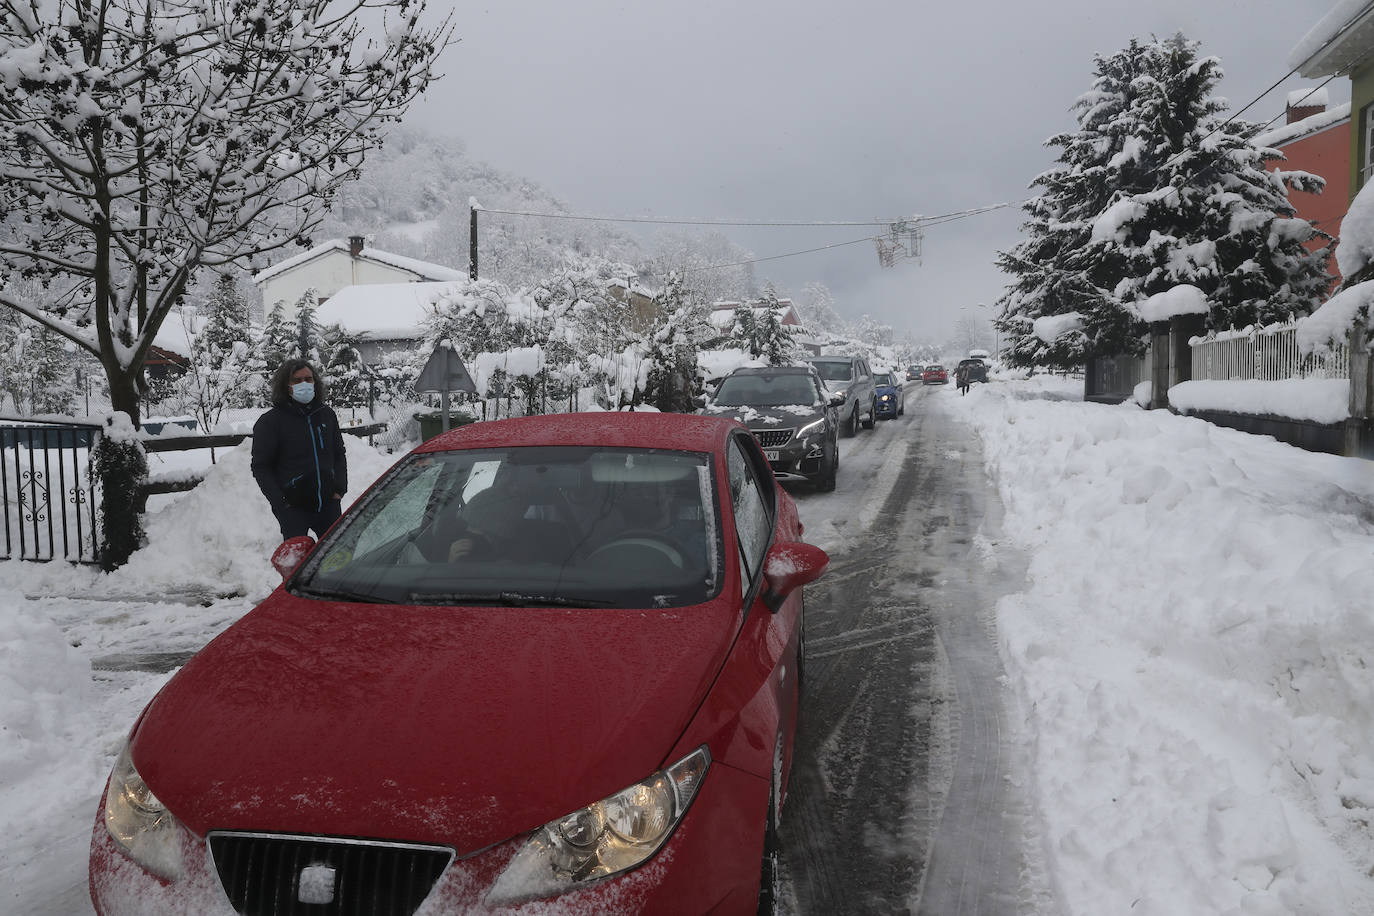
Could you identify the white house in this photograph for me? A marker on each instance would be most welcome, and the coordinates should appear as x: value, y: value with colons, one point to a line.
x: 340, y: 263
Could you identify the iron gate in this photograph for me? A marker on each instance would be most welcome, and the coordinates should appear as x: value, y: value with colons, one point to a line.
x: 48, y: 492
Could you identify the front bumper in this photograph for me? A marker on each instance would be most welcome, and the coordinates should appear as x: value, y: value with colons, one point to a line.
x: 793, y: 459
x: 710, y: 864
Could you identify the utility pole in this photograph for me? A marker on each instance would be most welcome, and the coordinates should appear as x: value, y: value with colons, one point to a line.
x: 473, y: 207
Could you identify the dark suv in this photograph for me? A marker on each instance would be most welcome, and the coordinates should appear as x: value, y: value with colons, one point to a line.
x: 851, y: 377
x: 791, y: 415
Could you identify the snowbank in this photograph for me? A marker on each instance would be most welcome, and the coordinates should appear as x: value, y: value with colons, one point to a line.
x: 1191, y: 655
x: 1319, y: 400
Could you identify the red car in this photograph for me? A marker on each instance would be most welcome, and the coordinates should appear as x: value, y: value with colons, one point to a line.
x: 935, y: 375
x: 541, y: 661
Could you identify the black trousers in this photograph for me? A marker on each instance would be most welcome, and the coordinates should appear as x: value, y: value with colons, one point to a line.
x: 296, y: 522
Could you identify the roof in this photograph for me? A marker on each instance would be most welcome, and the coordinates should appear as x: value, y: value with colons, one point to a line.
x: 632, y: 429
x: 1287, y: 133
x: 1339, y: 41
x: 423, y: 270
x: 775, y: 370
x: 384, y: 311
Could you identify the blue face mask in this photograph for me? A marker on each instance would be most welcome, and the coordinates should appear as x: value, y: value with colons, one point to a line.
x: 303, y: 392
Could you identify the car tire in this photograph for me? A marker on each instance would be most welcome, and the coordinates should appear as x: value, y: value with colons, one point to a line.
x: 872, y: 415
x: 851, y: 426
x: 770, y: 874
x: 826, y: 482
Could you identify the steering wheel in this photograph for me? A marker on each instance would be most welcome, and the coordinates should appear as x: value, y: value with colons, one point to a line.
x: 644, y: 537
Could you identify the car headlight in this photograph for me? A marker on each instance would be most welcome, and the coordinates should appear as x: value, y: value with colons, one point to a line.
x: 811, y: 429
x: 605, y: 838
x: 139, y: 824
x: 886, y: 397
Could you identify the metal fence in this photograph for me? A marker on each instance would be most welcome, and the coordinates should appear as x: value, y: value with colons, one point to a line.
x: 1268, y: 354
x: 47, y: 491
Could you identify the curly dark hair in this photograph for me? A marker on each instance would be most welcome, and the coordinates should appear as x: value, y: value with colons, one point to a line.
x: 281, y: 381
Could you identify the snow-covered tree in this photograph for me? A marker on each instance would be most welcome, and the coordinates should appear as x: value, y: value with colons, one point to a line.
x: 1153, y: 190
x: 226, y: 320
x: 309, y: 342
x: 773, y: 340
x: 141, y: 140
x: 817, y: 304
x: 278, y: 338
x: 671, y: 382
x: 35, y: 372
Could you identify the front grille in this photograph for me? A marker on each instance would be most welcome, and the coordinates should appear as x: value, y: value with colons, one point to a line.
x: 772, y: 438
x: 262, y: 874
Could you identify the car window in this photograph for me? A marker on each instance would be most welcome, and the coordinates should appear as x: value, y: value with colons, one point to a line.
x: 766, y: 390
x: 582, y: 526
x: 834, y: 370
x: 884, y: 378
x: 752, y: 523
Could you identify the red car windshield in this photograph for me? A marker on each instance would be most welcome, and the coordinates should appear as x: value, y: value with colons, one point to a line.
x: 533, y: 526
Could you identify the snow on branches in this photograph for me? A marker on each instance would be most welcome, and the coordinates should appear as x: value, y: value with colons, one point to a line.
x: 141, y: 140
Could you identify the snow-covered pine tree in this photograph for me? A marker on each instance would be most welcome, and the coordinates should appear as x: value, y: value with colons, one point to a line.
x: 743, y: 333
x: 1153, y: 190
x: 1218, y: 220
x: 309, y: 343
x: 772, y: 339
x: 35, y: 369
x: 278, y: 339
x: 226, y: 321
x: 1073, y: 193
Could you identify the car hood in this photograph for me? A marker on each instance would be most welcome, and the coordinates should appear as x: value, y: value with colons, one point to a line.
x: 461, y: 726
x: 789, y: 416
x: 886, y: 389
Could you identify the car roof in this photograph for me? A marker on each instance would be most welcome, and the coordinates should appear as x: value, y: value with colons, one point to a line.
x: 628, y: 429
x: 774, y: 370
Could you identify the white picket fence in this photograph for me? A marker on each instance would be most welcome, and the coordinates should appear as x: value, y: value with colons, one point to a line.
x: 1269, y: 354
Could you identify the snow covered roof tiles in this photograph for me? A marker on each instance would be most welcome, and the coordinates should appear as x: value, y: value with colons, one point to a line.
x: 423, y: 270
x: 384, y: 311
x: 1286, y: 133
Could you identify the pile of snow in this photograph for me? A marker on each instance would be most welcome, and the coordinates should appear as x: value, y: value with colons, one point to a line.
x: 1184, y: 299
x: 1331, y: 323
x: 1320, y: 400
x: 1357, y: 233
x: 1190, y: 655
x: 1050, y: 328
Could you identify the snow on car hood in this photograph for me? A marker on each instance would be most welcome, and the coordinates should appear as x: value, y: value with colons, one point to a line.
x: 783, y: 415
x: 461, y: 726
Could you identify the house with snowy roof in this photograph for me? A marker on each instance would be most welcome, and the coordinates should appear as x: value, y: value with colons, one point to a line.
x: 386, y: 317
x: 722, y: 318
x: 1316, y: 139
x: 338, y: 263
x: 1342, y: 44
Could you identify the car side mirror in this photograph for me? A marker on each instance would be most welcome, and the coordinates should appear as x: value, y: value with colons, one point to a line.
x: 837, y: 400
x: 699, y: 402
x: 788, y: 567
x: 290, y: 553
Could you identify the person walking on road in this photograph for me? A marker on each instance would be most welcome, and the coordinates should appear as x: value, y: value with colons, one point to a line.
x: 298, y: 453
x: 961, y: 378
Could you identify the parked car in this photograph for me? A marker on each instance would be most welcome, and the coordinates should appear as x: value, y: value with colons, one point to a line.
x: 535, y: 656
x: 850, y: 376
x: 790, y: 413
x: 913, y: 373
x: 935, y: 375
x: 891, y: 395
x: 977, y: 369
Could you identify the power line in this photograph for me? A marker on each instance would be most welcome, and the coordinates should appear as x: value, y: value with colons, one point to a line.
x: 775, y: 257
x: 670, y: 221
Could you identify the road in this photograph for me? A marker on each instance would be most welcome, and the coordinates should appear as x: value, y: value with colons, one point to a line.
x: 902, y: 796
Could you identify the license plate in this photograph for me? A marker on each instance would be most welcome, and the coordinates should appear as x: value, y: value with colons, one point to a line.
x: 771, y: 454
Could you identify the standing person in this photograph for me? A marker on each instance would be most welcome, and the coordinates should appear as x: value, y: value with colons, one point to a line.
x: 298, y: 453
x: 961, y: 378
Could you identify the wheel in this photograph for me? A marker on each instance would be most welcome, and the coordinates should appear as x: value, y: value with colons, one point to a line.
x: 872, y: 414
x: 826, y: 482
x: 901, y: 407
x: 770, y: 875
x: 851, y: 426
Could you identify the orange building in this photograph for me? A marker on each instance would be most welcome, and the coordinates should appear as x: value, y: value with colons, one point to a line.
x: 1316, y: 139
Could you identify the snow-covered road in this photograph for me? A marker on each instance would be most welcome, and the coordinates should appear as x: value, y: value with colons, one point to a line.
x: 1186, y: 656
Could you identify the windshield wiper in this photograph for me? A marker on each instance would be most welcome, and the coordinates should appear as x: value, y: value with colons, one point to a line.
x: 504, y: 599
x: 342, y: 595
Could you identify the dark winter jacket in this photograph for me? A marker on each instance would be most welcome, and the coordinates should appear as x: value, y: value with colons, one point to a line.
x: 298, y: 456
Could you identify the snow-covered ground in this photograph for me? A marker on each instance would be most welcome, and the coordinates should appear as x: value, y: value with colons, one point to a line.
x: 1188, y: 654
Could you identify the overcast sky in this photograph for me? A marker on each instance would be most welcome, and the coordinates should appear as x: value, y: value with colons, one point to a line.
x: 803, y: 110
